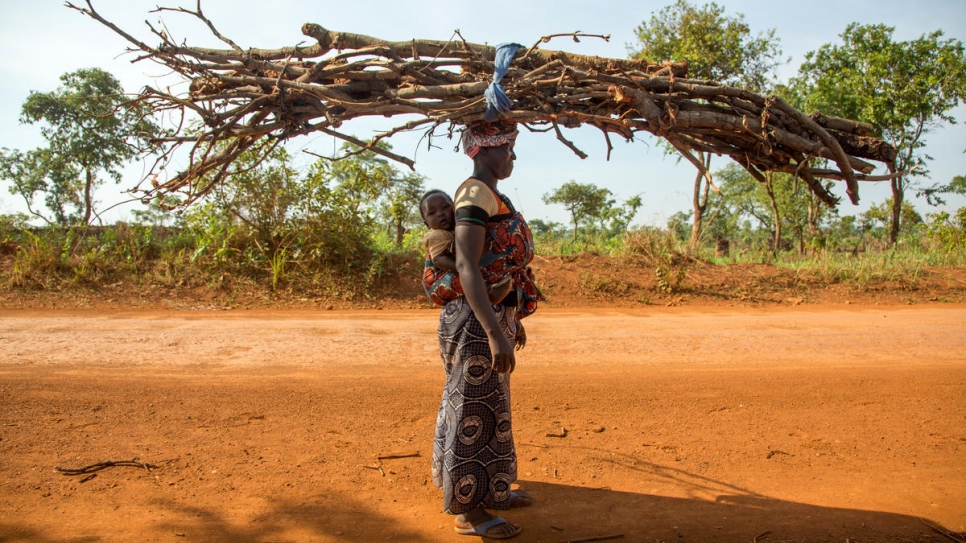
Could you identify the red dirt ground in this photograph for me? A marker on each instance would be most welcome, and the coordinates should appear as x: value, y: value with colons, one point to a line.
x: 785, y: 416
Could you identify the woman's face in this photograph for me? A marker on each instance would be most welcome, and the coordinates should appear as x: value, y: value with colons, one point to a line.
x: 501, y: 159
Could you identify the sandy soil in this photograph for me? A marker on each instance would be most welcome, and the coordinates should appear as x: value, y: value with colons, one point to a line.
x: 808, y: 423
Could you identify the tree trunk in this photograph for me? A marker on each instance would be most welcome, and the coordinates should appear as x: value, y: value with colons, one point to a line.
x: 400, y: 232
x: 897, y: 195
x: 88, y: 197
x: 700, y: 201
x: 774, y: 213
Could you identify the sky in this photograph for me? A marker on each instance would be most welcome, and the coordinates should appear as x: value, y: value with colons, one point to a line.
x: 43, y: 39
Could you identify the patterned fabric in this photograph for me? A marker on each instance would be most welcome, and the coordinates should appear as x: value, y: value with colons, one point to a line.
x: 474, y: 460
x: 507, y: 250
x: 488, y: 135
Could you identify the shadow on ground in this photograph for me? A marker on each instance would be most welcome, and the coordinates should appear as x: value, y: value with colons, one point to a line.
x: 564, y: 513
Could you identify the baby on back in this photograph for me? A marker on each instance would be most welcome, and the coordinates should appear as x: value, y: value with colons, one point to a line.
x: 436, y: 208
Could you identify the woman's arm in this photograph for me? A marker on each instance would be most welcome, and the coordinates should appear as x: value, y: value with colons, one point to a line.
x: 469, y: 250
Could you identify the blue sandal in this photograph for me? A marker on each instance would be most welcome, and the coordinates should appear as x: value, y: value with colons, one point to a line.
x: 481, y: 529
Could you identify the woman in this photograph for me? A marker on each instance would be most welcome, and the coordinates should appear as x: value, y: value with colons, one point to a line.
x: 474, y: 459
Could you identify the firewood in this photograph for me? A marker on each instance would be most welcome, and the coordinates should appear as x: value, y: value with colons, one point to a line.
x: 252, y: 100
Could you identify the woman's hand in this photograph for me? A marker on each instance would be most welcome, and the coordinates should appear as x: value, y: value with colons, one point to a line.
x: 521, y: 338
x: 504, y: 361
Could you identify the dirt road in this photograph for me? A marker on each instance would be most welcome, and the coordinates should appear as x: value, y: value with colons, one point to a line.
x: 800, y: 424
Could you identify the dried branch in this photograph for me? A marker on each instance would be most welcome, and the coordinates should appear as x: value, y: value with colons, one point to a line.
x: 106, y: 464
x: 250, y: 100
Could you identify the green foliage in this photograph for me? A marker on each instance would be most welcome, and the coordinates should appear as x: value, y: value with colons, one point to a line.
x: 903, y: 88
x: 91, y: 130
x: 585, y: 202
x: 715, y: 46
x: 592, y: 207
x: 946, y: 233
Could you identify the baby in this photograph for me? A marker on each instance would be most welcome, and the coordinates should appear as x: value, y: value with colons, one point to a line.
x: 436, y: 208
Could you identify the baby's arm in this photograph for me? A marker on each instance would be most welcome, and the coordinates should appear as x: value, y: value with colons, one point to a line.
x: 445, y: 262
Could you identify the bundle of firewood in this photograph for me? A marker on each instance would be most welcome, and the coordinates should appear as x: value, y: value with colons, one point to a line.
x: 252, y: 100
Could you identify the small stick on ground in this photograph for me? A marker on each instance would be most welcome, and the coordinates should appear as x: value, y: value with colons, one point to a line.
x: 397, y: 456
x: 760, y: 536
x: 593, y: 538
x: 106, y: 464
x: 377, y: 468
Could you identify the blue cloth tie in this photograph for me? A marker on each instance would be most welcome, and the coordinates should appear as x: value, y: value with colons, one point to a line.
x: 496, y: 99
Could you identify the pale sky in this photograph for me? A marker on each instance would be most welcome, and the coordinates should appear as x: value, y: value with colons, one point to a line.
x: 41, y: 40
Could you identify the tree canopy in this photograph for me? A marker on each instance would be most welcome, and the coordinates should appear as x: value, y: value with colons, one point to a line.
x: 91, y: 129
x: 904, y: 88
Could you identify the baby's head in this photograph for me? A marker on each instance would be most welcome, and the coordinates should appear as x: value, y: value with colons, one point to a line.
x: 436, y: 208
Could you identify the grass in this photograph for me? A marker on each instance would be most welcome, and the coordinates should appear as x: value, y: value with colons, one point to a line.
x: 57, y: 258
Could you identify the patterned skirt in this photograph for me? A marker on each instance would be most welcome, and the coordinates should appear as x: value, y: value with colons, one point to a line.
x: 474, y: 460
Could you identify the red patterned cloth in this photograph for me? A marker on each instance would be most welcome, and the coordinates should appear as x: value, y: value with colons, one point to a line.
x: 507, y: 250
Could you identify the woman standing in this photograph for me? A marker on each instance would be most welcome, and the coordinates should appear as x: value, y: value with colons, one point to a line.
x: 474, y: 459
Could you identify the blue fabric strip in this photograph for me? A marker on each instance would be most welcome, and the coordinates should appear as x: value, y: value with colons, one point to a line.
x: 496, y: 99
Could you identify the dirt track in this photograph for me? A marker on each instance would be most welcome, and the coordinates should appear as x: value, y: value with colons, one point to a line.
x: 810, y: 424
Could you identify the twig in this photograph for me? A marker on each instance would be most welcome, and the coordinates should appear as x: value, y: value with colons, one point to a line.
x: 106, y: 464
x: 377, y: 468
x: 760, y: 536
x: 570, y: 145
x: 396, y: 456
x: 593, y: 538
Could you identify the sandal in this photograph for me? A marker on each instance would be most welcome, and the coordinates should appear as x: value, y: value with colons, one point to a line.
x: 481, y: 529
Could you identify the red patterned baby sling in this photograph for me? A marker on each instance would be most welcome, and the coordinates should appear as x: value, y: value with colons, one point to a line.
x: 507, y: 250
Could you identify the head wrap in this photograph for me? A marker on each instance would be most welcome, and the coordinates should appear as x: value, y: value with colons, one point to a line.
x: 486, y: 134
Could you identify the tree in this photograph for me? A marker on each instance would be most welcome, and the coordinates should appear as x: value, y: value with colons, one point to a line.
x: 716, y: 47
x: 934, y: 194
x: 584, y: 202
x: 903, y: 88
x: 91, y: 129
x: 619, y: 217
x: 881, y: 214
x: 782, y: 200
x: 381, y: 189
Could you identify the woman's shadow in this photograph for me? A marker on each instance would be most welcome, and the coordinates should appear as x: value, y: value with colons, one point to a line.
x: 716, y: 512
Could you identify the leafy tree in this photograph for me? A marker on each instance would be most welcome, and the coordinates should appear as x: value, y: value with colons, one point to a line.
x: 781, y: 201
x: 380, y: 189
x: 716, y: 47
x: 680, y: 224
x: 619, y: 217
x: 903, y: 88
x: 881, y: 214
x: 549, y: 229
x: 262, y: 196
x: 585, y: 202
x: 91, y: 129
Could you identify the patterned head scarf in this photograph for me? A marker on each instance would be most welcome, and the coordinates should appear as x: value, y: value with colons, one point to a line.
x: 485, y: 134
